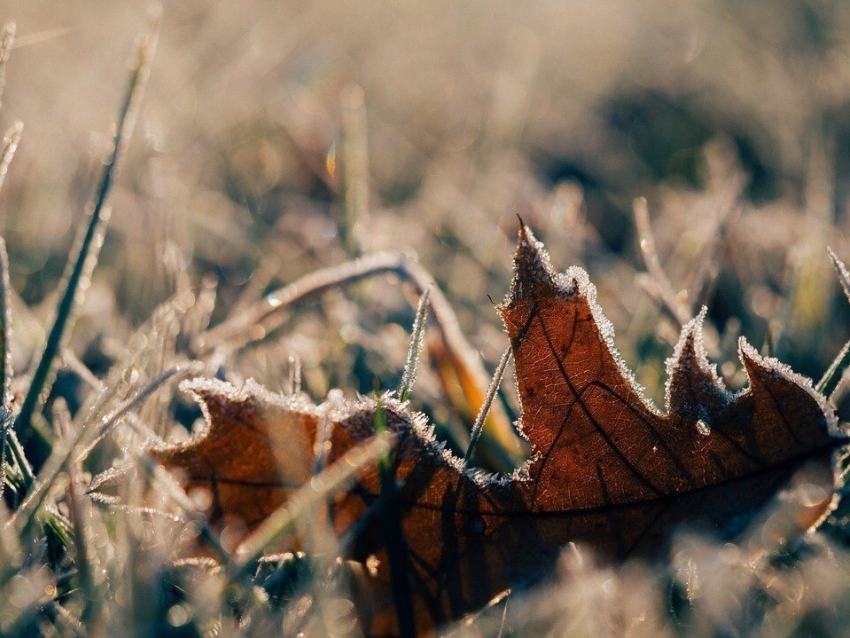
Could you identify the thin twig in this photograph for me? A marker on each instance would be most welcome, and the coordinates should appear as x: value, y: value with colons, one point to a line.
x: 651, y: 287
x: 270, y: 312
x: 504, y: 616
x: 38, y: 37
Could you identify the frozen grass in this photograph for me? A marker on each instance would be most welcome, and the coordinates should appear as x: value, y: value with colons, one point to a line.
x: 266, y: 165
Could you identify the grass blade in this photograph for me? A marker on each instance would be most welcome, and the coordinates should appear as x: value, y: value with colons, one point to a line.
x: 4, y: 432
x: 76, y: 505
x: 331, y: 480
x: 415, y: 351
x: 832, y: 377
x: 664, y: 291
x: 17, y: 451
x: 86, y: 254
x: 355, y: 170
x: 6, y: 419
x: 7, y: 38
x: 478, y: 426
x: 841, y: 270
x: 5, y: 331
x: 10, y: 145
x: 69, y: 453
x: 394, y: 535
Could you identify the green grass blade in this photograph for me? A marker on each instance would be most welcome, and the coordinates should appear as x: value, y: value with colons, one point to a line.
x: 85, y: 256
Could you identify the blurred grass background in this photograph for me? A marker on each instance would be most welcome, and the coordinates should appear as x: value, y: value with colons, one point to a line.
x: 280, y: 137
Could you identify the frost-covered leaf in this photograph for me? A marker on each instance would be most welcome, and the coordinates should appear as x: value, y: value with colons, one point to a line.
x: 607, y: 470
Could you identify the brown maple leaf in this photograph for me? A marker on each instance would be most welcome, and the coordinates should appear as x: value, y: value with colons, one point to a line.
x: 608, y: 470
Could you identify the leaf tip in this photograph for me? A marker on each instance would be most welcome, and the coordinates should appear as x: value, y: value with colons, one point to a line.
x: 749, y: 356
x: 689, y: 351
x: 532, y: 268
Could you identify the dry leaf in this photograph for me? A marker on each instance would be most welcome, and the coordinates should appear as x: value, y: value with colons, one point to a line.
x: 608, y: 470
